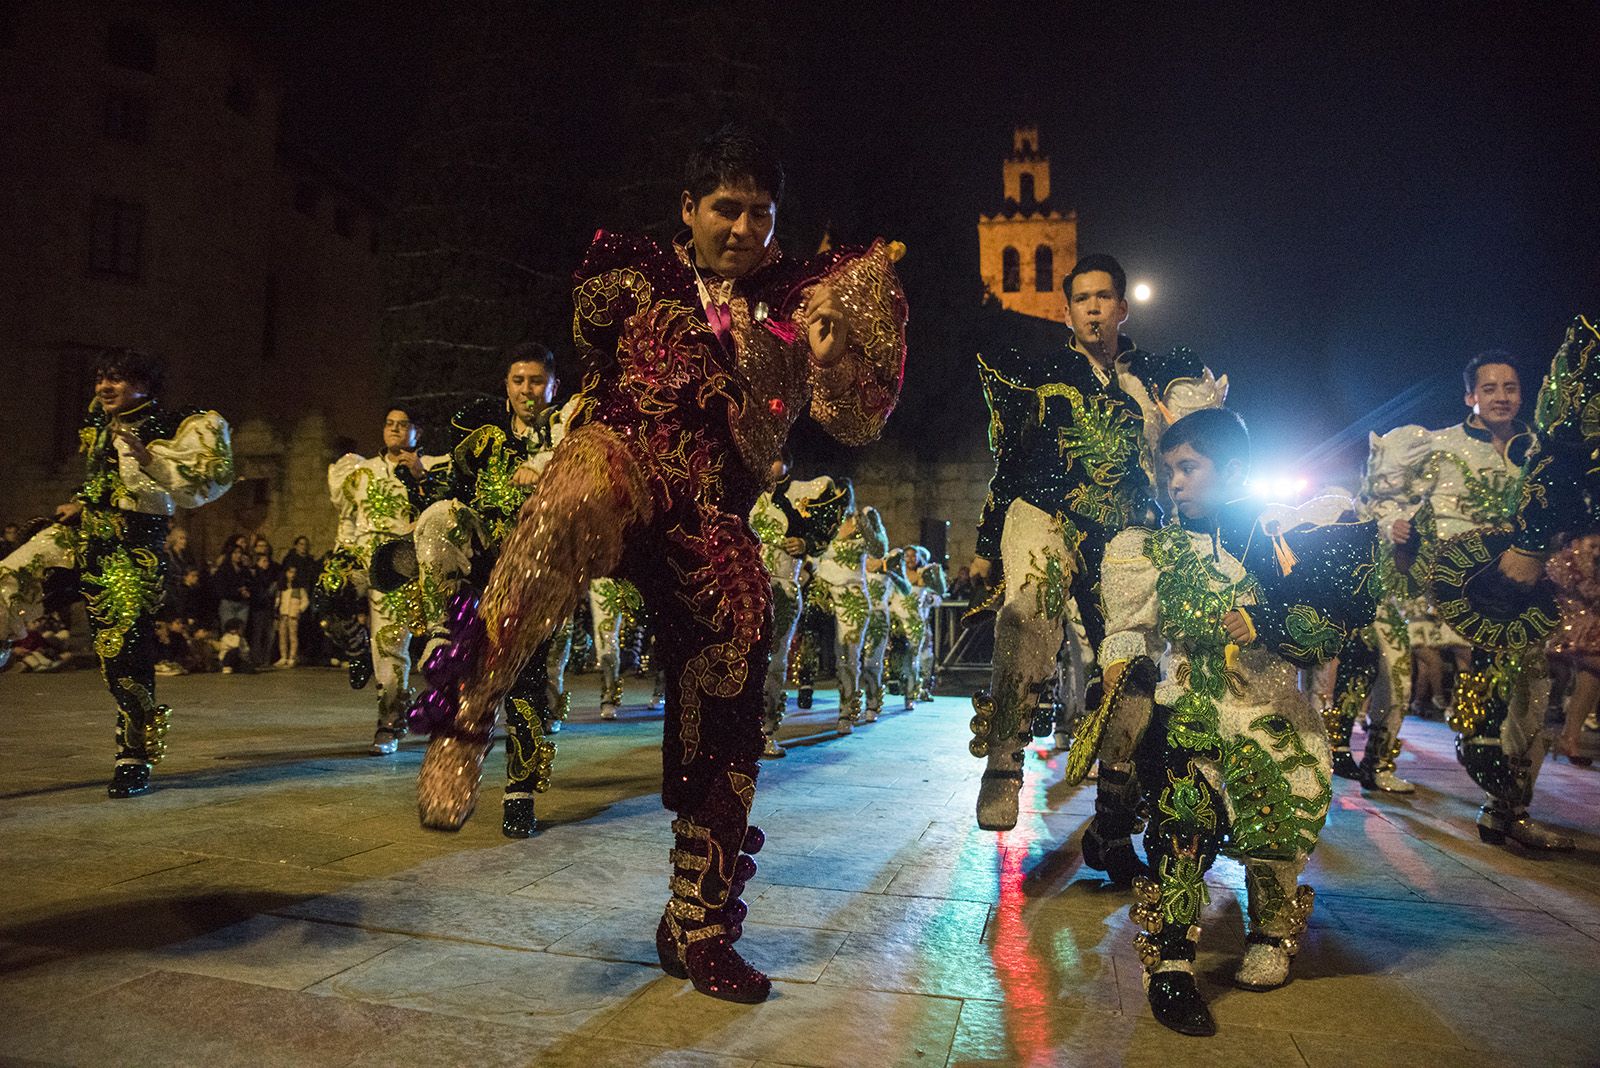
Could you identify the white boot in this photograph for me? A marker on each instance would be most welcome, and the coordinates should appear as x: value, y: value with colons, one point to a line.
x: 1532, y: 834
x: 1265, y: 967
x: 1386, y: 780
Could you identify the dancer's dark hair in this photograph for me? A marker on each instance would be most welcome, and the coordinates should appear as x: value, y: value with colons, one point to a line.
x: 132, y: 365
x: 733, y: 156
x: 1098, y: 261
x: 1469, y: 373
x: 1215, y: 433
x: 528, y: 352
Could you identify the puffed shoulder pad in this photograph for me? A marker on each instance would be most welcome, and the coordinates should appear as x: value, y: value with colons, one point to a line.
x: 1402, y: 449
x: 341, y: 469
x: 477, y: 412
x: 609, y: 251
x: 194, y: 460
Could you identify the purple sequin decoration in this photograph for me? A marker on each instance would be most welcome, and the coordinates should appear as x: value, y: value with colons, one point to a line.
x: 435, y: 709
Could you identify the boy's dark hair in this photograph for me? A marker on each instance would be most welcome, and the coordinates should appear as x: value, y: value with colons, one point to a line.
x: 528, y: 352
x: 1098, y: 261
x: 733, y: 156
x: 1215, y: 433
x: 233, y: 626
x: 1469, y: 373
x: 133, y: 365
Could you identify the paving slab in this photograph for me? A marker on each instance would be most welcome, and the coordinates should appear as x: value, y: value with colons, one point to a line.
x: 274, y: 901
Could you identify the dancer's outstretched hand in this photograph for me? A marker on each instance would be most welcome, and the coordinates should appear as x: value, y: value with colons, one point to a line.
x: 827, y: 326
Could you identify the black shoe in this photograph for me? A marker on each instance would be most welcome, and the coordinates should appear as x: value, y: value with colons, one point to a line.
x: 1175, y: 1002
x: 519, y: 821
x: 1345, y: 766
x: 129, y: 780
x: 361, y: 669
x: 1119, y: 861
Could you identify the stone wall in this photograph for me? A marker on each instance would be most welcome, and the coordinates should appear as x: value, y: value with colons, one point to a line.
x: 255, y: 274
x: 906, y: 490
x: 281, y: 492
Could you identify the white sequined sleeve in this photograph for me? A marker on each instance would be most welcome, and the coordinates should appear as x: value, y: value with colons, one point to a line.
x: 339, y: 473
x: 1392, y: 488
x: 195, y: 465
x: 1128, y: 590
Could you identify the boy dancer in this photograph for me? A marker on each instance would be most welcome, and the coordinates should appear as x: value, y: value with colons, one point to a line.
x: 792, y: 520
x: 919, y: 590
x: 1232, y: 754
x: 840, y: 587
x: 379, y: 497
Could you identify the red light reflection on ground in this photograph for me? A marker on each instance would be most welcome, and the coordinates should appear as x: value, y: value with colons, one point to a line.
x: 1024, y: 977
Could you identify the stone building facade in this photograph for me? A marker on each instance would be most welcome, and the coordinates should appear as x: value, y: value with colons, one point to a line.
x: 1027, y: 245
x: 910, y: 491
x: 150, y: 201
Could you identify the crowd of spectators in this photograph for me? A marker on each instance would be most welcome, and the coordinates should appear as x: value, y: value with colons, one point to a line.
x: 245, y: 610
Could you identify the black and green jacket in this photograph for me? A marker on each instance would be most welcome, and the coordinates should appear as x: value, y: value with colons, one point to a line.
x: 1063, y: 441
x: 1317, y: 586
x: 488, y: 451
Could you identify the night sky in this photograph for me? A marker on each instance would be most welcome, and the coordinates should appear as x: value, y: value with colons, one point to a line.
x: 1336, y: 208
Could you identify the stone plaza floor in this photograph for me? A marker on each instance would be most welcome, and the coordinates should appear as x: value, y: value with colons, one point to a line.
x: 274, y: 901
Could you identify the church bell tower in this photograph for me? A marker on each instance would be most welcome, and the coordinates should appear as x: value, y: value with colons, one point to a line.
x: 1027, y: 246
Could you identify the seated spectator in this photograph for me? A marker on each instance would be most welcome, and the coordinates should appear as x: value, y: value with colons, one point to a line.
x: 10, y: 540
x: 47, y: 647
x: 170, y: 650
x: 198, y: 651
x: 234, y: 650
x: 192, y: 602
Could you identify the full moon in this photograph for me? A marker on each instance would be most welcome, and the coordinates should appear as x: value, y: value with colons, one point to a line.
x: 1141, y: 291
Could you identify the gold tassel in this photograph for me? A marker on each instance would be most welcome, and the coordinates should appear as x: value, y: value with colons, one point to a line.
x: 1286, y: 556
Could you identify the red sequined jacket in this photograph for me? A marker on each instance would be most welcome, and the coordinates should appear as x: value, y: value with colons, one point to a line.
x: 649, y: 351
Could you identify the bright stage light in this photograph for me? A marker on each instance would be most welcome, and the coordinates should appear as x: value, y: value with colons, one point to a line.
x: 1281, y: 488
x: 1141, y: 291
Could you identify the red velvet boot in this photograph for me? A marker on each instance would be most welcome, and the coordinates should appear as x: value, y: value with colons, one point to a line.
x: 705, y: 916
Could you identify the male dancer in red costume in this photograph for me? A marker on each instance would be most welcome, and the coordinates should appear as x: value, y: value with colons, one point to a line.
x: 698, y: 358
